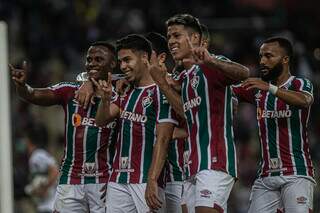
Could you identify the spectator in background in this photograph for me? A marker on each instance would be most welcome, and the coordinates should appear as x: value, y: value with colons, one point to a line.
x: 43, y: 173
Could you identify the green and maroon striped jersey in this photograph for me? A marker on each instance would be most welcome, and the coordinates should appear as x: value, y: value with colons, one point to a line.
x: 141, y: 108
x: 86, y: 153
x: 282, y: 130
x: 207, y: 104
x: 175, y: 161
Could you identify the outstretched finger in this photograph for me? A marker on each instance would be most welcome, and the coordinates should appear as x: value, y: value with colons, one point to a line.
x: 24, y: 65
x: 11, y: 67
x: 109, y: 80
x: 95, y: 82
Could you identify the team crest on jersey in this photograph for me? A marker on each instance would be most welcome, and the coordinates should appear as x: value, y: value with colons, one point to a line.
x: 147, y: 100
x: 124, y: 164
x: 194, y: 82
x: 258, y: 95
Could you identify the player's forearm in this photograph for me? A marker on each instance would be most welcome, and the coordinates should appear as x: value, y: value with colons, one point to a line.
x: 159, y: 157
x: 103, y: 113
x: 38, y: 96
x: 173, y: 98
x: 231, y: 69
x: 294, y: 98
x: 179, y: 133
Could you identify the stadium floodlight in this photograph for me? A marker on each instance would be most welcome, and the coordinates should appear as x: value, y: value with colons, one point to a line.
x: 6, y: 189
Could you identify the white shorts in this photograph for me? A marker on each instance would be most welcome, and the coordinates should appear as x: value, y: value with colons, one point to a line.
x: 173, y: 194
x: 122, y: 198
x: 79, y: 198
x: 208, y: 188
x: 294, y: 194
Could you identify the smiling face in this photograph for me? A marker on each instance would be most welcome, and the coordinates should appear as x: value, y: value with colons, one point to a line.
x: 180, y: 41
x: 99, y: 61
x: 273, y: 58
x: 133, y: 64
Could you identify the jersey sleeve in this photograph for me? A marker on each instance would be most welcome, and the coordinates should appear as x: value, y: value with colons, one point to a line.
x: 303, y: 85
x: 165, y: 111
x: 219, y: 77
x: 64, y: 90
x: 241, y: 94
x: 40, y: 161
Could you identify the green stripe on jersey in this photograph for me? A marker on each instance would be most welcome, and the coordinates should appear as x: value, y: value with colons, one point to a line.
x: 69, y: 140
x: 295, y: 127
x: 126, y: 132
x: 164, y: 107
x: 203, y: 128
x: 149, y: 140
x: 91, y: 144
x: 229, y: 135
x: 307, y: 86
x: 174, y: 161
x: 272, y: 132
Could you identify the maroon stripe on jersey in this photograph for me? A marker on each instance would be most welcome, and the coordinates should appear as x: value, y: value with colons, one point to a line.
x: 284, y: 141
x: 137, y: 143
x: 217, y: 106
x: 304, y: 119
x: 263, y: 136
x: 78, y: 151
x: 193, y: 134
x: 102, y: 156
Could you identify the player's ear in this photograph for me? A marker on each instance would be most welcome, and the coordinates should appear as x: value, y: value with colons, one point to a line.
x: 162, y: 57
x: 286, y: 59
x: 195, y: 38
x: 145, y: 58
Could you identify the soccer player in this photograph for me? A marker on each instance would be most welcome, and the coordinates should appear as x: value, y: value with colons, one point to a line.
x: 283, y: 104
x: 145, y: 123
x: 85, y: 169
x: 43, y: 172
x: 205, y: 38
x: 174, y: 170
x: 206, y: 104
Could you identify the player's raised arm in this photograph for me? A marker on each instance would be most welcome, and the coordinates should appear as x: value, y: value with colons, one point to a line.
x: 295, y: 98
x: 107, y: 111
x: 39, y: 96
x: 158, y: 74
x: 229, y: 68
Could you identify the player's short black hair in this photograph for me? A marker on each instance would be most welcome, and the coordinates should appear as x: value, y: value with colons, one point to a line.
x: 158, y: 42
x: 205, y: 32
x: 283, y: 42
x: 186, y: 20
x: 160, y: 45
x: 105, y: 44
x: 135, y: 42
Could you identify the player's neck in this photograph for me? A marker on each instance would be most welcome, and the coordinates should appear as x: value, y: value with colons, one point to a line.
x: 145, y: 80
x: 285, y: 75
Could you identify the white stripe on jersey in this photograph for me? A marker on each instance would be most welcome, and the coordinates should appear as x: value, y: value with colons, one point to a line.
x: 208, y: 120
x: 267, y: 133
x: 225, y: 128
x: 73, y: 148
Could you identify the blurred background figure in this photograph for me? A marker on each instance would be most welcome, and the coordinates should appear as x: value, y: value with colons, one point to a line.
x: 43, y: 172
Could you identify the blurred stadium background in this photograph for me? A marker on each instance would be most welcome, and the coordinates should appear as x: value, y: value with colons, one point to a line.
x: 52, y: 35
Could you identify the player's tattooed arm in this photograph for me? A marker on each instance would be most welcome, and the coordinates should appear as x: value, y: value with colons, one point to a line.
x: 39, y: 96
x: 107, y: 111
x: 158, y: 74
x: 230, y: 69
x: 159, y: 156
x: 294, y: 98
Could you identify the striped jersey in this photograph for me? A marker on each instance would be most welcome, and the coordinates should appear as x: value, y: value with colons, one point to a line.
x: 141, y: 108
x: 282, y: 130
x: 207, y: 105
x: 86, y: 153
x: 175, y: 161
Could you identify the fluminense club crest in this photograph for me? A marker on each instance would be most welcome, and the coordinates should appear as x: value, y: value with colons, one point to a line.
x: 194, y: 81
